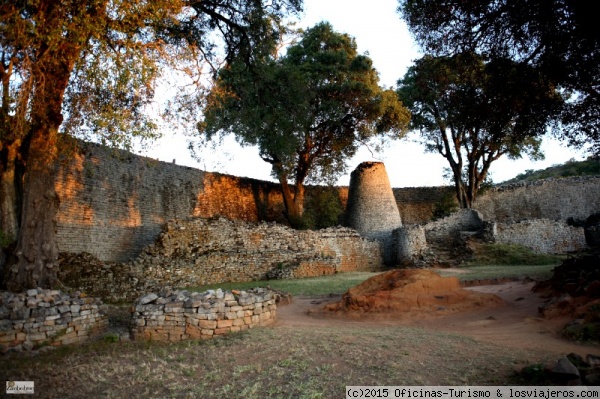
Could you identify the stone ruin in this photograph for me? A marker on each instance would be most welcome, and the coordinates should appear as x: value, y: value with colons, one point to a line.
x: 179, y: 315
x: 372, y: 208
x: 42, y: 318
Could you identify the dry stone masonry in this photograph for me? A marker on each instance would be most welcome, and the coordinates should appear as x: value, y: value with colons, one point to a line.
x: 555, y: 199
x: 201, y: 251
x: 40, y: 318
x: 113, y: 203
x: 372, y: 208
x: 411, y: 244
x: 542, y: 235
x: 179, y: 315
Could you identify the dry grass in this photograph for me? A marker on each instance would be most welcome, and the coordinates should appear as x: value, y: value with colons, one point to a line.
x: 277, y: 362
x: 270, y: 362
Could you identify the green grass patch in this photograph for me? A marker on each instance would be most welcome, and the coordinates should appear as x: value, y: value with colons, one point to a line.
x: 483, y: 272
x: 509, y: 254
x: 323, y: 285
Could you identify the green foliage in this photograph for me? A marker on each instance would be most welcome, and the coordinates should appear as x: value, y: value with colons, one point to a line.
x: 111, y: 338
x: 307, y: 111
x: 473, y: 110
x: 323, y: 208
x: 586, y: 332
x: 589, y: 167
x: 445, y: 206
x: 558, y: 38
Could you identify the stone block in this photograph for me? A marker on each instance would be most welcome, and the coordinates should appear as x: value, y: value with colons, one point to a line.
x: 224, y: 323
x: 9, y: 337
x: 208, y: 324
x: 238, y: 322
x: 147, y: 299
x: 221, y: 331
x: 36, y: 336
x: 231, y: 315
x: 194, y: 333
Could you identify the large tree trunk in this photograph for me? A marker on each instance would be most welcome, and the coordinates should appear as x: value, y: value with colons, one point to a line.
x: 291, y: 202
x: 459, y: 186
x: 9, y: 215
x: 37, y: 250
x: 9, y: 200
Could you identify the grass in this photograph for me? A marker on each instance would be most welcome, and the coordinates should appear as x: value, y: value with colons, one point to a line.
x: 310, y: 286
x: 510, y: 255
x: 278, y: 362
x: 488, y: 261
x: 485, y: 272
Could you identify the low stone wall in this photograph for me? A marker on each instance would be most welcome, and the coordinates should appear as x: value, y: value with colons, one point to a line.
x: 202, y: 251
x: 180, y: 315
x: 542, y: 235
x: 38, y: 318
x: 411, y: 244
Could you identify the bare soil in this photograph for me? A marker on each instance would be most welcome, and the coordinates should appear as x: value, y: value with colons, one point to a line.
x: 514, y: 324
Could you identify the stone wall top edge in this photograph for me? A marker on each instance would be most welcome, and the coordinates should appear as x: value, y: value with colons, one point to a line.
x: 128, y: 154
x: 541, y: 182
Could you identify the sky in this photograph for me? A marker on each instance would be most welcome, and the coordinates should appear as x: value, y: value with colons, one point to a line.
x: 381, y: 34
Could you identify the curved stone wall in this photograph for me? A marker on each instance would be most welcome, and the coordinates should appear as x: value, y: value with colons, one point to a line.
x: 40, y: 317
x: 179, y: 315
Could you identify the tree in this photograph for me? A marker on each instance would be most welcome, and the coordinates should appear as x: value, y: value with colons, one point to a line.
x: 558, y: 37
x: 474, y: 110
x: 90, y: 67
x: 307, y: 111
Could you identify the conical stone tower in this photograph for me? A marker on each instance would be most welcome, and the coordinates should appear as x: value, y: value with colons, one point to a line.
x: 372, y: 209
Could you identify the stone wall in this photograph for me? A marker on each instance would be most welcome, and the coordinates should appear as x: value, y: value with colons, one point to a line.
x: 180, y: 315
x: 417, y: 204
x: 113, y: 203
x: 38, y: 318
x: 542, y: 235
x: 555, y: 199
x: 411, y: 244
x: 464, y: 220
x: 202, y: 251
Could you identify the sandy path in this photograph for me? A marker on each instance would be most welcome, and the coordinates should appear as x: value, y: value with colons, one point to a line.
x: 516, y: 324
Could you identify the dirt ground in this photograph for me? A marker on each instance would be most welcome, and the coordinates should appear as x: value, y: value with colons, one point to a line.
x: 514, y: 324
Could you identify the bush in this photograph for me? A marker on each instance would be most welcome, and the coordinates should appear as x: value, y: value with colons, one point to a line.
x: 323, y: 208
x: 445, y: 206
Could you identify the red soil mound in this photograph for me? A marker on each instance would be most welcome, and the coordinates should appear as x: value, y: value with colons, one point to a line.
x: 405, y: 290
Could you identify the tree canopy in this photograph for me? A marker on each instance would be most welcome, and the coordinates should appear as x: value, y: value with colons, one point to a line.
x: 474, y: 110
x: 91, y: 67
x: 307, y: 111
x: 558, y: 37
